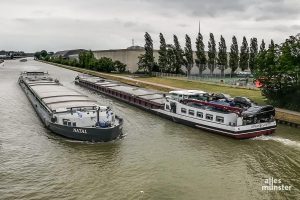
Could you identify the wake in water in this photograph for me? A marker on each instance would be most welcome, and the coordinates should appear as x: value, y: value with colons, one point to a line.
x: 281, y: 140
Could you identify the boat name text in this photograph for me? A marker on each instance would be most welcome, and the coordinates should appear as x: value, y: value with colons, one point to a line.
x: 79, y: 130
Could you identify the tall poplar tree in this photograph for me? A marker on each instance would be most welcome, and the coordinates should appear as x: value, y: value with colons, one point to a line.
x: 171, y: 59
x: 262, y: 46
x: 211, y: 53
x: 234, y: 55
x: 178, y: 52
x: 162, y: 59
x: 244, y: 55
x: 253, y: 54
x: 188, y: 53
x: 222, y: 56
x: 200, y: 54
x: 149, y: 58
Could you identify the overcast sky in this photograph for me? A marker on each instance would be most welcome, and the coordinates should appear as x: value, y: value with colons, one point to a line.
x: 32, y: 25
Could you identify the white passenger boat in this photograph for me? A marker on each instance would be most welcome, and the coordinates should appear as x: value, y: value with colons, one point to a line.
x: 235, y: 117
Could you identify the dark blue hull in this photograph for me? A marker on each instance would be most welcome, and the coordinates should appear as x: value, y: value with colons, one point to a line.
x: 87, y: 134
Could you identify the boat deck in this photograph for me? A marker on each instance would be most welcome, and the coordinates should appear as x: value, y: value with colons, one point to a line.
x: 146, y: 98
x: 57, y: 97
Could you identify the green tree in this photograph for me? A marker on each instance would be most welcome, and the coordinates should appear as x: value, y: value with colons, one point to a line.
x: 87, y: 59
x: 262, y: 46
x: 37, y: 55
x: 188, y: 53
x: 142, y: 64
x: 222, y: 56
x: 244, y: 55
x: 234, y: 55
x: 149, y: 58
x: 104, y: 64
x: 44, y: 53
x: 171, y: 59
x: 253, y: 54
x: 211, y: 53
x: 278, y: 71
x: 118, y: 65
x: 200, y: 54
x: 162, y: 59
x: 178, y: 53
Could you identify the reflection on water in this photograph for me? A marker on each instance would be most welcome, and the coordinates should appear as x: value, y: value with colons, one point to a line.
x: 163, y: 159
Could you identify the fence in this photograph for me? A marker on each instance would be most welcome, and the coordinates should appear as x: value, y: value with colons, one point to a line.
x: 214, y: 78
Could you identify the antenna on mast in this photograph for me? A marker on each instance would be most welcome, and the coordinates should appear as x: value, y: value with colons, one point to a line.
x: 132, y: 42
x: 199, y: 26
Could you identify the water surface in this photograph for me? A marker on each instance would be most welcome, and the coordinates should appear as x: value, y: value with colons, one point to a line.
x: 157, y: 159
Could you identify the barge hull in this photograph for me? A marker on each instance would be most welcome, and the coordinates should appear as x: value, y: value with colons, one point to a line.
x: 75, y: 133
x: 154, y: 108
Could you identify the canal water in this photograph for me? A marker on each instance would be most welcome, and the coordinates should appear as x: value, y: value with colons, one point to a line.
x: 157, y: 159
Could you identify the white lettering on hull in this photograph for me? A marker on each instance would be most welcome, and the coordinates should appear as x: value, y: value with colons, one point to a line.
x: 79, y: 130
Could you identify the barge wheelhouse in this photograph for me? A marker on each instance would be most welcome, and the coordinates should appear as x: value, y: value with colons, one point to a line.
x: 67, y: 112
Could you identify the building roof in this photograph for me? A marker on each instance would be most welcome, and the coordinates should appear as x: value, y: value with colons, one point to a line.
x: 67, y: 53
x: 136, y: 47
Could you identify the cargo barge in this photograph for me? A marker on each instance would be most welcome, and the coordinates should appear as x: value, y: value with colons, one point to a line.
x: 67, y: 112
x: 234, y: 117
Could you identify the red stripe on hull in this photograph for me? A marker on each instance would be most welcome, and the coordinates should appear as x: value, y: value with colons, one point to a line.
x: 254, y: 134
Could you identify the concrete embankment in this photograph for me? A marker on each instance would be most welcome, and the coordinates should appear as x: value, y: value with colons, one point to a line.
x: 283, y: 116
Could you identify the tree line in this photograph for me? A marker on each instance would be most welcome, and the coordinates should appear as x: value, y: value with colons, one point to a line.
x: 277, y: 67
x: 86, y: 59
x: 172, y: 56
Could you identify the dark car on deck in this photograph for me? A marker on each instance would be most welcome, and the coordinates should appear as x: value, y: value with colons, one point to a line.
x: 243, y: 102
x: 259, y: 114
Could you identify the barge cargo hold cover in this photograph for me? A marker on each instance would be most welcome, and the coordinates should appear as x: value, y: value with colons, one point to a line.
x: 140, y: 97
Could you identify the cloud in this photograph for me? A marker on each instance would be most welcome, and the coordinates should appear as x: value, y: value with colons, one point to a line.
x: 97, y: 24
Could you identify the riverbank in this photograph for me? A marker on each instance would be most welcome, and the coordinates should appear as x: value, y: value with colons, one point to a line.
x: 165, y: 84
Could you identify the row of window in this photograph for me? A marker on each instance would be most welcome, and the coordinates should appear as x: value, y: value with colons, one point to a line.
x: 200, y: 115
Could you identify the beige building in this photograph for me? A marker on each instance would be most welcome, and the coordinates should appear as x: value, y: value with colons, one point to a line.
x: 129, y: 56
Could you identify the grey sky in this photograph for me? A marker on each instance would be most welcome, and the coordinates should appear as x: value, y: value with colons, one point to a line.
x: 32, y: 25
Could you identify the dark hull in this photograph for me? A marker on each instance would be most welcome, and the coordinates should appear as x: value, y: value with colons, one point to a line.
x: 87, y: 134
x: 75, y: 133
x: 232, y: 134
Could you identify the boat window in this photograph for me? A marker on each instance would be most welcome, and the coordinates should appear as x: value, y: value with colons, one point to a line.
x: 200, y: 114
x: 69, y: 123
x: 65, y: 121
x: 183, y: 110
x: 220, y: 119
x: 191, y: 112
x: 209, y: 116
x: 180, y: 95
x: 167, y: 107
x: 74, y: 123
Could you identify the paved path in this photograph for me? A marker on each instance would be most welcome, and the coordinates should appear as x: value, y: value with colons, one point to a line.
x: 288, y: 111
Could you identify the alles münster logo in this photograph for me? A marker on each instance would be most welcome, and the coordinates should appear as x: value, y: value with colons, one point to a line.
x: 274, y: 184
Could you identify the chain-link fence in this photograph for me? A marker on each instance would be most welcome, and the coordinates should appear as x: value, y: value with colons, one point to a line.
x: 227, y: 79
